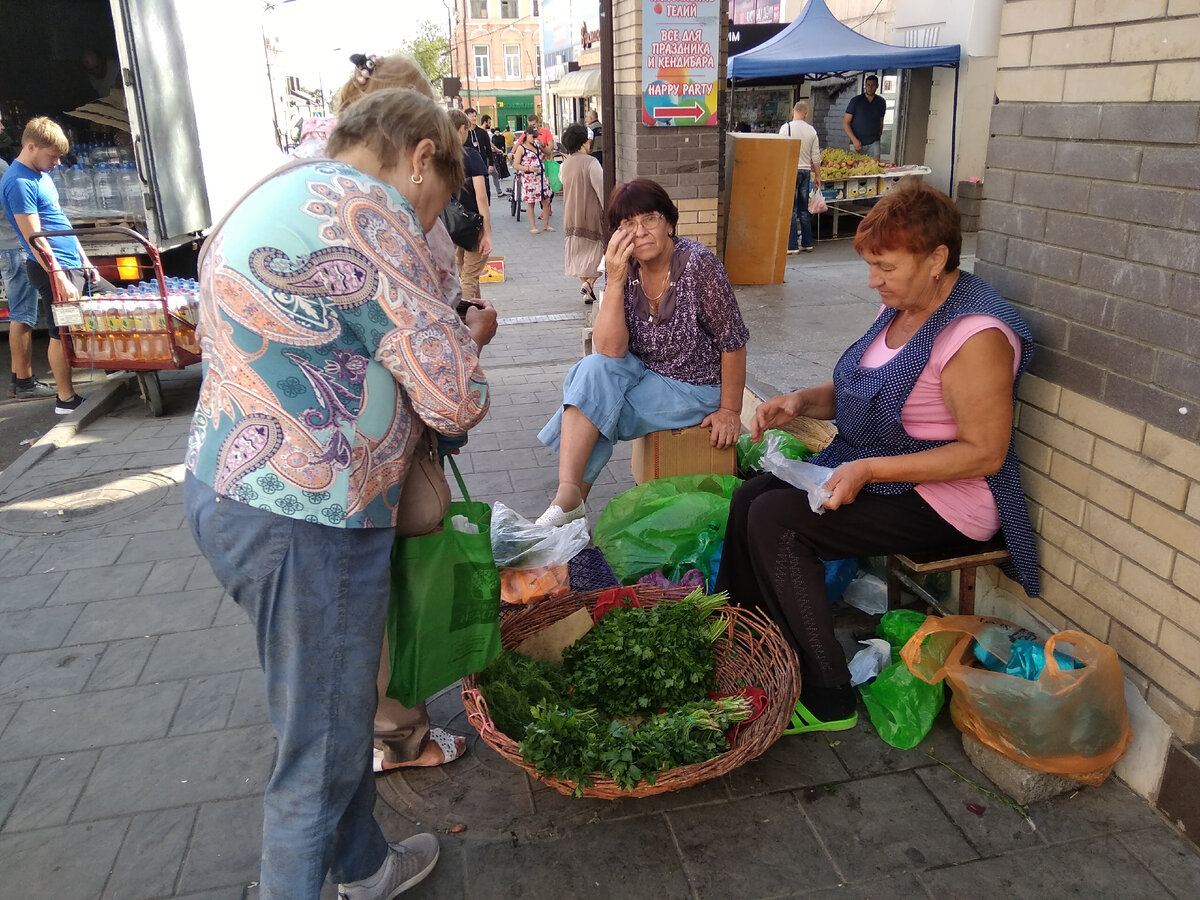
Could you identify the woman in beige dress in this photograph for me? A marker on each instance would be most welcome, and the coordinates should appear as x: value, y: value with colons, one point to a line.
x: 583, y: 210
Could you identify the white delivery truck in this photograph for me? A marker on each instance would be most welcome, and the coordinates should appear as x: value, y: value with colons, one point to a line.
x: 182, y: 92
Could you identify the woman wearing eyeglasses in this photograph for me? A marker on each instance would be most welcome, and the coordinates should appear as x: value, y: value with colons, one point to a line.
x: 670, y: 348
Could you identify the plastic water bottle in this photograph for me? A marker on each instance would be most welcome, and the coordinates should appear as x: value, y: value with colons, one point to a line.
x: 81, y: 193
x: 131, y: 191
x: 108, y: 197
x: 59, y: 176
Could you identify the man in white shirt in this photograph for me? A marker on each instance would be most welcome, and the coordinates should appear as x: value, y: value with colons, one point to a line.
x: 807, y: 167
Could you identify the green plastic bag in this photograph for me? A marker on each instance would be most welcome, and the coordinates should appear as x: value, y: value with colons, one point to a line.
x: 444, y: 612
x: 749, y: 453
x: 664, y: 523
x: 902, y: 706
x: 552, y: 175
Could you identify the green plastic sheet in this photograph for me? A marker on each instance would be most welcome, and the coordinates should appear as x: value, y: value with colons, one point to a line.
x: 902, y: 707
x: 749, y: 453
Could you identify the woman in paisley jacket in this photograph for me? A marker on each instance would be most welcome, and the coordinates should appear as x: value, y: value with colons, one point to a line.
x: 923, y: 460
x: 327, y: 353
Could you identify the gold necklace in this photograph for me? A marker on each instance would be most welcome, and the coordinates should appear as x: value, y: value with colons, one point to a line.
x: 666, y: 284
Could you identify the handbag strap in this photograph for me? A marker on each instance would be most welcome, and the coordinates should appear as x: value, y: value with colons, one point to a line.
x: 458, y: 477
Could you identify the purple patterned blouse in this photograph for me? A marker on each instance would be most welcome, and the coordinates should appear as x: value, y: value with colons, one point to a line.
x: 697, y: 321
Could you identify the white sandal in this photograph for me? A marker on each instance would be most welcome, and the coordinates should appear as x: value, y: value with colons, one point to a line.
x: 555, y: 515
x: 445, y: 740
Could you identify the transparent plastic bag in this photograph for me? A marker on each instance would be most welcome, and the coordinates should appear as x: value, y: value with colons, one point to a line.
x: 521, y: 544
x: 802, y: 475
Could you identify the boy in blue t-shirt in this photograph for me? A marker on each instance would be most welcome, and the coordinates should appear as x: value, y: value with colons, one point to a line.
x: 31, y: 205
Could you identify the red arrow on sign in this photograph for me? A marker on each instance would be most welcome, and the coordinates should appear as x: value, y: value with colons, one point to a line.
x: 679, y: 112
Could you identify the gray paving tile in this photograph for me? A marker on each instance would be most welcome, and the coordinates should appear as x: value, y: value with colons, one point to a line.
x: 35, y: 629
x: 904, y: 886
x: 884, y: 825
x: 46, y: 673
x: 759, y: 847
x: 7, y: 711
x: 992, y: 826
x: 791, y: 762
x: 162, y: 518
x: 121, y: 663
x: 84, y: 586
x: 70, y: 862
x: 209, y: 652
x: 149, y: 860
x: 863, y: 753
x: 1092, y: 867
x: 52, y: 791
x: 178, y: 771
x: 172, y: 544
x: 229, y: 613
x: 17, y: 562
x: 202, y: 576
x: 1168, y: 856
x: 206, y: 703
x: 64, y: 724
x: 69, y: 555
x: 229, y: 893
x: 250, y: 704
x: 28, y: 591
x: 169, y: 575
x: 1089, y: 811
x: 225, y: 847
x: 111, y: 620
x: 617, y: 854
x: 13, y: 776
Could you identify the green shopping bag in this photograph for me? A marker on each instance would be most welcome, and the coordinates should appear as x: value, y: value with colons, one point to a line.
x: 444, y: 612
x: 552, y: 175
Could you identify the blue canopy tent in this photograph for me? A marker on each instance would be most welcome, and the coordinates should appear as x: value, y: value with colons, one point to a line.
x: 817, y: 45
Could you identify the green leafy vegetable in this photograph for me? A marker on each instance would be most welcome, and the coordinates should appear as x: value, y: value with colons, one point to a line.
x: 514, y: 683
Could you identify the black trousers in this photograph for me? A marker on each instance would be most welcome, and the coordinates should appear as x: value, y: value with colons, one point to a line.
x: 775, y: 547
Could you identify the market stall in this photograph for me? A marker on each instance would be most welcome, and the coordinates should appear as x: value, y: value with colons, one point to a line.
x: 854, y: 195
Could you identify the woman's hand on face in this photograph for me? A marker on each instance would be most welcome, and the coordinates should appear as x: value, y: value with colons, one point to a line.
x: 773, y: 413
x: 846, y: 481
x: 725, y: 425
x: 616, y: 257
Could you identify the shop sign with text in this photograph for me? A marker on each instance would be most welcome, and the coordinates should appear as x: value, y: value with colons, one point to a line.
x: 680, y: 42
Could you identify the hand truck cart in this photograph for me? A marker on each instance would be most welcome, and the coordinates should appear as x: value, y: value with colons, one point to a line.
x: 140, y: 332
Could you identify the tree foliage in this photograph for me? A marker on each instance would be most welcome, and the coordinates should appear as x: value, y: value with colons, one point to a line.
x: 431, y: 49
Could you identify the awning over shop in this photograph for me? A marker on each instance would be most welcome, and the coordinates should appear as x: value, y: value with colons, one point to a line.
x: 580, y: 83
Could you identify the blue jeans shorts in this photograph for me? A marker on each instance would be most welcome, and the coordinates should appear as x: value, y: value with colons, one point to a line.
x: 22, y: 295
x: 625, y: 400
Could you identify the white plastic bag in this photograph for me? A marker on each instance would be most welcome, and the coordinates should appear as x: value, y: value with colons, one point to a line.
x: 521, y: 544
x: 797, y: 473
x: 868, y: 662
x: 868, y: 593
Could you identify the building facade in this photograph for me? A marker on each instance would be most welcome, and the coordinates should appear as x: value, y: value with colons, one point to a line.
x: 496, y: 53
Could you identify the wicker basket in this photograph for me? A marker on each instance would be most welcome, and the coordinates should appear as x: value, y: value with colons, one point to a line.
x: 753, y: 652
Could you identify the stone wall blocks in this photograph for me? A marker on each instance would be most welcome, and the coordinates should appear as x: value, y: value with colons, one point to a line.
x: 998, y: 185
x: 1073, y: 302
x: 1115, y: 427
x: 1087, y: 233
x: 1077, y: 47
x: 1053, y: 497
x: 1160, y: 327
x: 1055, y: 191
x: 1054, y: 365
x: 1023, y: 16
x: 1177, y: 82
x: 1109, y: 84
x: 1087, y: 482
x: 1167, y: 523
x: 1044, y: 259
x: 1020, y: 154
x: 1176, y: 167
x: 1014, y: 51
x: 1143, y: 620
x: 1137, y: 122
x: 1069, y: 121
x: 1103, y: 348
x: 1157, y: 406
x: 1162, y: 670
x: 1061, y: 435
x: 1033, y: 454
x: 1180, y: 375
x: 1078, y: 544
x: 1075, y: 608
x: 1186, y: 576
x: 1126, y: 540
x: 1157, y: 40
x: 1007, y: 218
x: 1178, y: 250
x: 1175, y: 453
x: 1096, y: 12
x: 990, y: 252
x: 1143, y: 284
x: 1007, y: 118
x: 1101, y: 161
x: 1136, y: 204
x: 1038, y: 392
x: 1174, y: 604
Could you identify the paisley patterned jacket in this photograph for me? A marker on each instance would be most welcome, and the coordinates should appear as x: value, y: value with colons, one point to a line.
x: 326, y: 350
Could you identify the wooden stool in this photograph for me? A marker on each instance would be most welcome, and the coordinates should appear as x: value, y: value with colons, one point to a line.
x: 898, y: 566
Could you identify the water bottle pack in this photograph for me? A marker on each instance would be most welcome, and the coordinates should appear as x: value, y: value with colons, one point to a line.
x: 131, y: 323
x: 102, y: 184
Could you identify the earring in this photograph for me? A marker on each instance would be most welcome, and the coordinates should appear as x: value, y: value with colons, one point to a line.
x: 415, y: 178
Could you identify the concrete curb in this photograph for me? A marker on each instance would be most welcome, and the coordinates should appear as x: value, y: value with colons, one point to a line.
x: 100, y: 401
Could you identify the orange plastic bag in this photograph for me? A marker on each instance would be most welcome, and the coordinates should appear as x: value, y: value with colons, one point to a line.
x: 1068, y: 722
x: 531, y: 585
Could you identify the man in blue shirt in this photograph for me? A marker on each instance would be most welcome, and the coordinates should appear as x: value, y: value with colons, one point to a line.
x: 863, y: 120
x: 31, y: 205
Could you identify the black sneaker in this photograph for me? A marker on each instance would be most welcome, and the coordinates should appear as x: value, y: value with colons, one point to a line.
x: 39, y: 390
x: 65, y: 407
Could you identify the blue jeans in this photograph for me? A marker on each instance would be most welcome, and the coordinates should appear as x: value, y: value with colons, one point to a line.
x: 800, y: 212
x: 317, y: 597
x: 625, y: 400
x: 22, y: 295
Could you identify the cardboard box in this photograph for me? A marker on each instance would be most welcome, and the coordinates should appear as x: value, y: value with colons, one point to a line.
x: 682, y: 451
x: 493, y: 270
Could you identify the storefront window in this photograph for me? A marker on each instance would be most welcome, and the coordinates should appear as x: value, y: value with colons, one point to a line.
x: 750, y: 12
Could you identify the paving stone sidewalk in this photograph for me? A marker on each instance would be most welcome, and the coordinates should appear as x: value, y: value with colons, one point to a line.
x: 134, y: 744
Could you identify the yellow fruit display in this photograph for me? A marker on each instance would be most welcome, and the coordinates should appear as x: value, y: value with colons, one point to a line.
x: 837, y: 164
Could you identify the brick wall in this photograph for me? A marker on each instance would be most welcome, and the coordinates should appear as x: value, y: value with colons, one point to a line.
x: 1089, y: 224
x: 685, y: 161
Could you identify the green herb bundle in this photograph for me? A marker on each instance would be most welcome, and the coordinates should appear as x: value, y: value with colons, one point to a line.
x: 575, y: 745
x: 514, y: 683
x: 641, y: 659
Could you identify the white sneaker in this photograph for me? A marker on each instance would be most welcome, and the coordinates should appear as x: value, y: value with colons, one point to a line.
x: 556, y: 516
x: 407, y: 864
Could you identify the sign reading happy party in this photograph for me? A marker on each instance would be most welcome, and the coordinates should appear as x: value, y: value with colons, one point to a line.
x: 680, y: 42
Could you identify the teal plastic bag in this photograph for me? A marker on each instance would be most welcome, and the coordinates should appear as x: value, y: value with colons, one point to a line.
x: 444, y: 612
x: 665, y: 523
x: 749, y: 453
x: 902, y: 707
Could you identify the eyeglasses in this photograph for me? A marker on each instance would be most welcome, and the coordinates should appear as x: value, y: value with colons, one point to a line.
x: 648, y: 221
